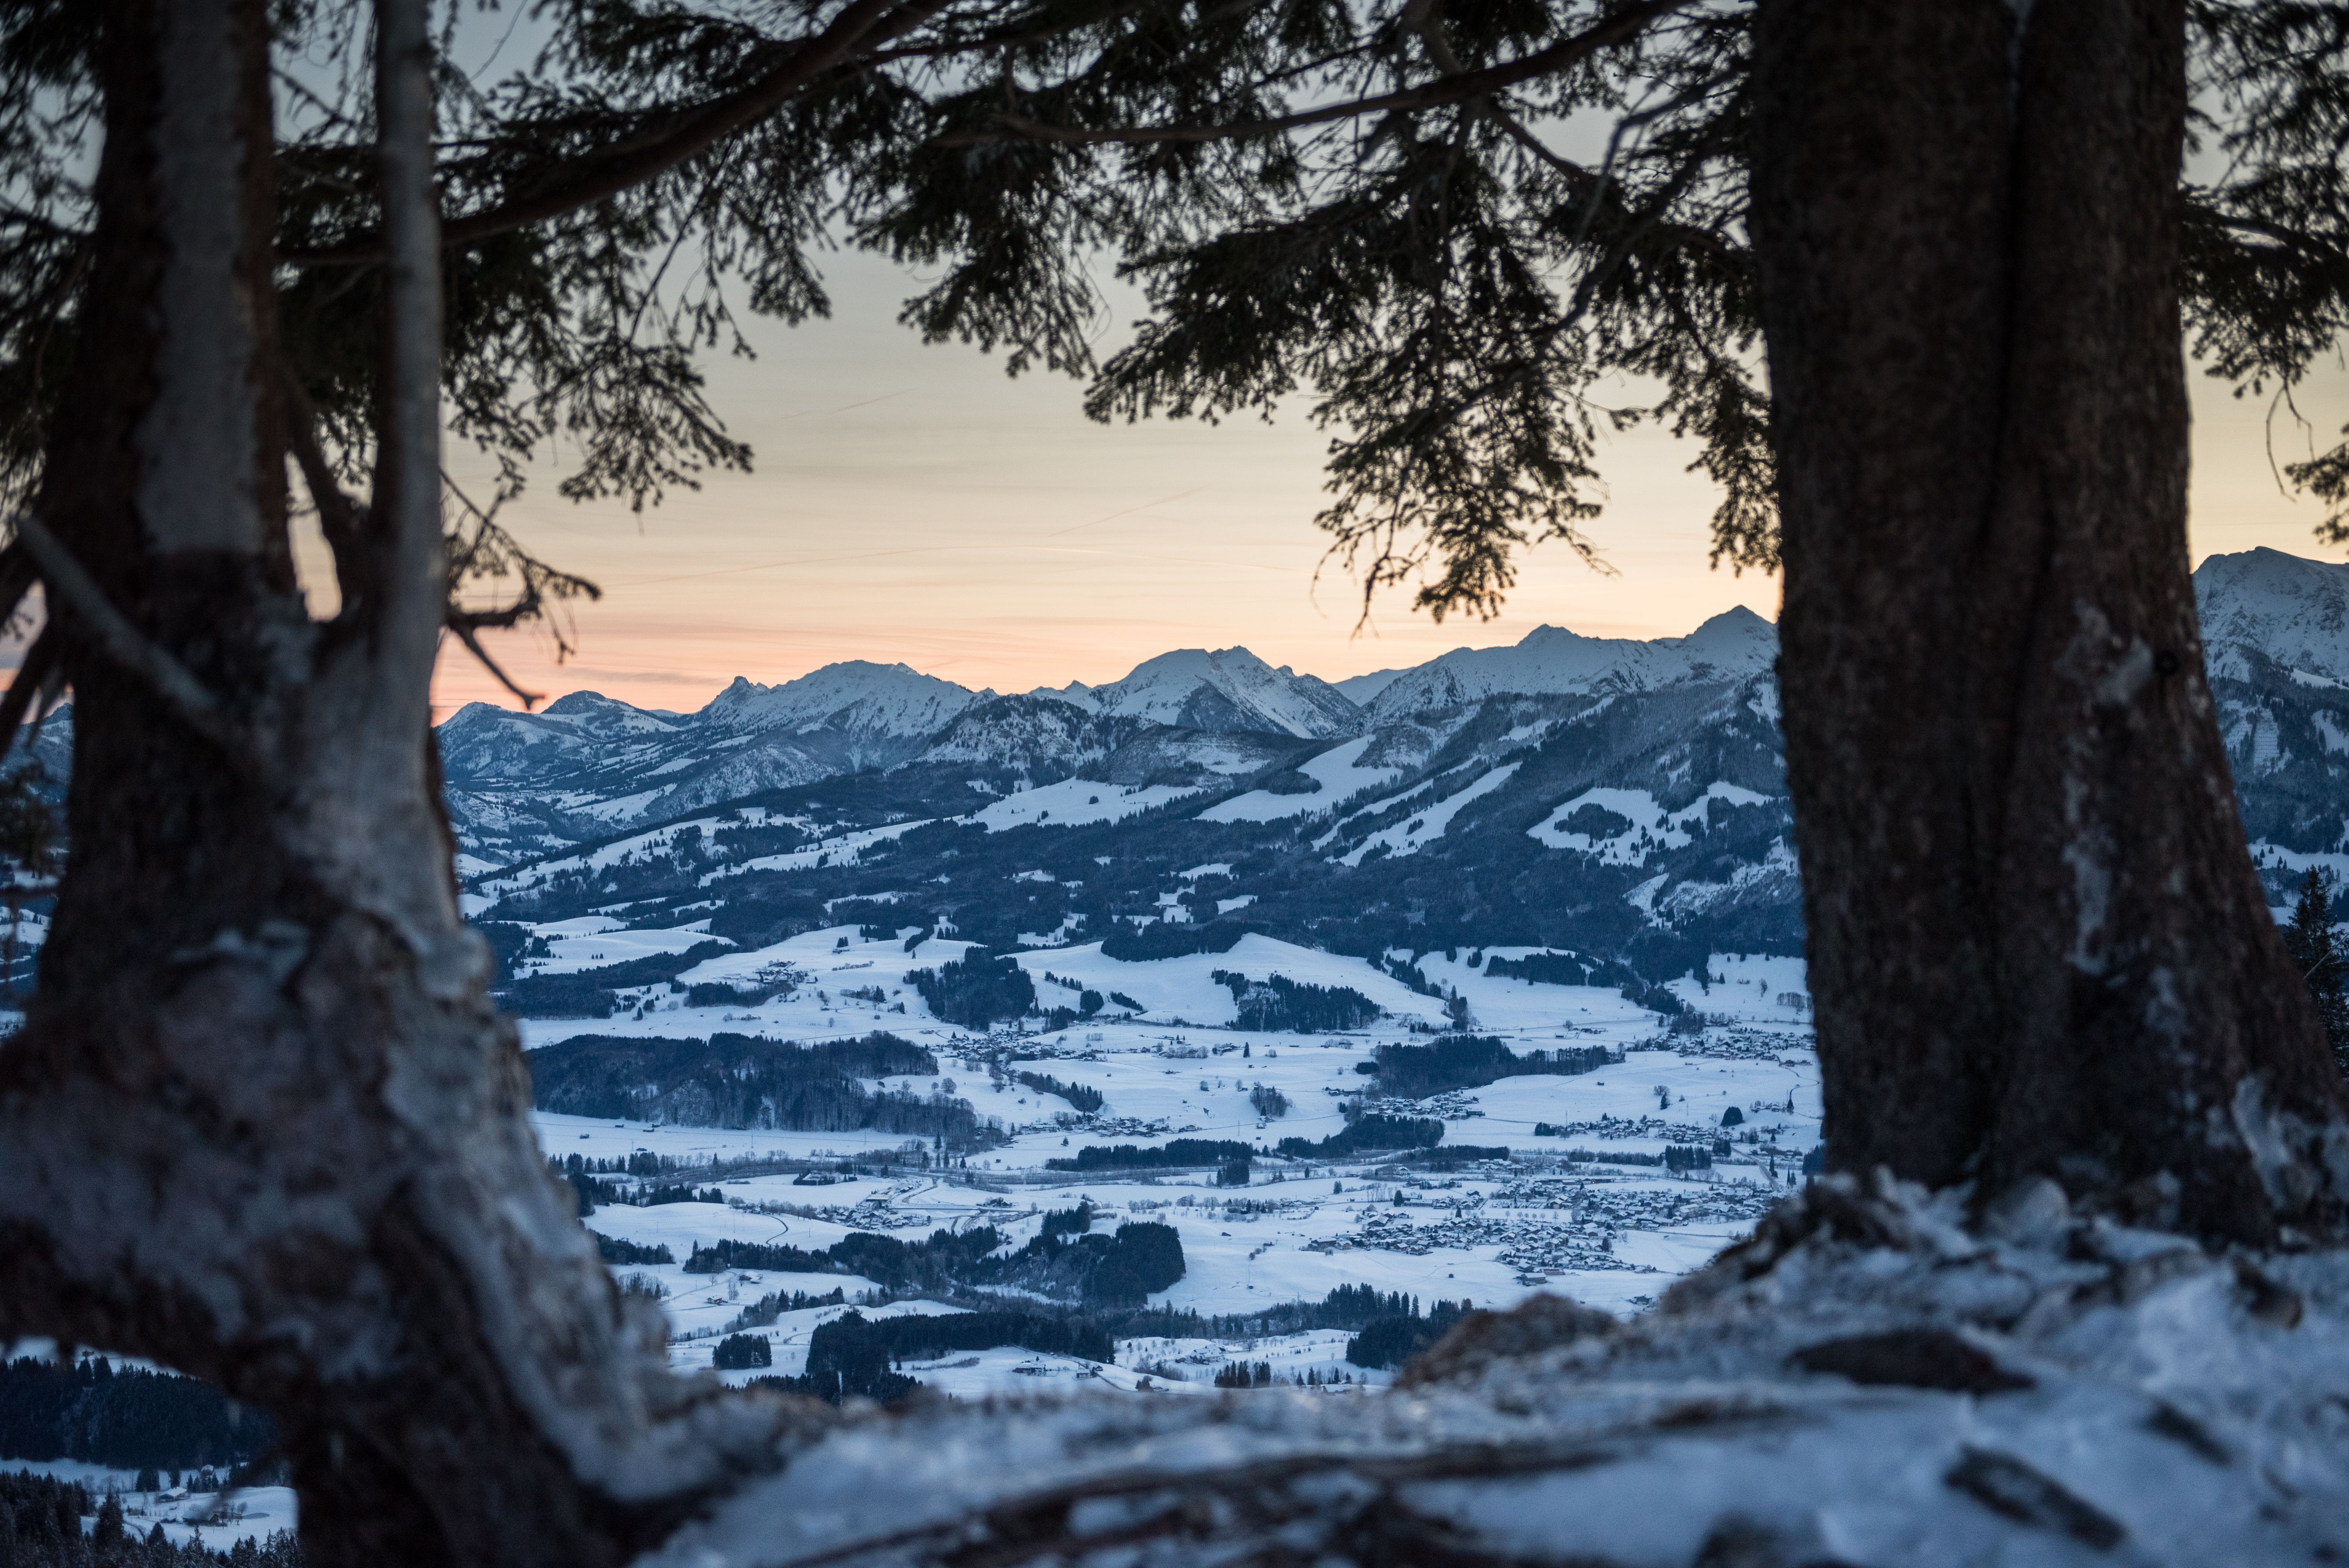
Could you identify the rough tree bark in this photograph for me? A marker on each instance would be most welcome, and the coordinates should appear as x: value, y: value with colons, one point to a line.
x: 2036, y: 942
x: 263, y: 1124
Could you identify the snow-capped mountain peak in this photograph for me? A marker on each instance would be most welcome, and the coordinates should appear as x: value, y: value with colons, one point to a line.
x: 854, y: 695
x: 2294, y: 611
x: 607, y: 718
x: 1225, y: 690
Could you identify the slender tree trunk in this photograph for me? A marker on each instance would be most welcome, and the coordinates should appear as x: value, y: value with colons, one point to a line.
x: 263, y: 1124
x: 2037, y: 944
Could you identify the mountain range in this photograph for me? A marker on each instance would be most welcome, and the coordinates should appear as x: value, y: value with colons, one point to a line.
x: 1618, y: 799
x: 523, y: 783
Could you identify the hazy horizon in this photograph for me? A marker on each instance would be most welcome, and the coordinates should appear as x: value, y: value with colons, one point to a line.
x: 911, y: 504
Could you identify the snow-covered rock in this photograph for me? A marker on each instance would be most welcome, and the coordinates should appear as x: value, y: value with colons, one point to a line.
x: 1040, y: 736
x: 482, y: 740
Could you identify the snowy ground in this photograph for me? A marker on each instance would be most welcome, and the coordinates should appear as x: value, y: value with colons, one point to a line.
x: 1611, y: 1235
x: 1877, y: 1385
x: 1608, y: 1234
x: 216, y: 1519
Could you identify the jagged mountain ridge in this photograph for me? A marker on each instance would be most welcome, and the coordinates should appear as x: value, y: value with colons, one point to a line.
x: 1612, y: 797
x: 522, y: 785
x: 1225, y: 691
x: 525, y: 784
x: 1733, y: 645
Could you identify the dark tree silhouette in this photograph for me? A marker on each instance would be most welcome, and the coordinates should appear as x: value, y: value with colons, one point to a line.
x: 2316, y: 949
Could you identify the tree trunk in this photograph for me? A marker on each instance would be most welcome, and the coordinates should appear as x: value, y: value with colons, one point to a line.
x: 263, y: 1125
x: 2037, y: 945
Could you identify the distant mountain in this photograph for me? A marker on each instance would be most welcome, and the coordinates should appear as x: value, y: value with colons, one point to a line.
x: 1227, y: 691
x: 1360, y: 689
x: 1610, y: 796
x: 855, y: 696
x: 1616, y: 799
x: 483, y: 740
x: 1037, y: 737
x: 1733, y: 645
x: 2275, y: 641
x: 2292, y: 611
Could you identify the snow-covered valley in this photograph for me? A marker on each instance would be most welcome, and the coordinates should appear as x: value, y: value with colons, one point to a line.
x: 1562, y: 1190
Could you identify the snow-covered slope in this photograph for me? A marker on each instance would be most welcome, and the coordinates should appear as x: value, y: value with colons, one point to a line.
x: 1042, y: 737
x: 1225, y: 690
x: 2294, y: 611
x: 482, y: 740
x: 609, y: 718
x: 1360, y: 689
x: 1733, y: 645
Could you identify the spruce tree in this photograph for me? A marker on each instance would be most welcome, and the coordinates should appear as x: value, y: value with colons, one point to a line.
x: 2321, y: 962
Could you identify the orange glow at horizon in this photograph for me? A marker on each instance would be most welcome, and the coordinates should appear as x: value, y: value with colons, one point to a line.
x: 911, y: 504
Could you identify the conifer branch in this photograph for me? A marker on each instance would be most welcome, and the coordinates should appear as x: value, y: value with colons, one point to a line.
x: 584, y: 180
x: 1620, y: 28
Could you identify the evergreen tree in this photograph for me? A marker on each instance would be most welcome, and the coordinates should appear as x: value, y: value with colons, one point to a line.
x: 2313, y: 948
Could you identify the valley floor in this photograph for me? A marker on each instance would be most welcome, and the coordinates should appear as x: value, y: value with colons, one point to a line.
x: 1491, y: 1232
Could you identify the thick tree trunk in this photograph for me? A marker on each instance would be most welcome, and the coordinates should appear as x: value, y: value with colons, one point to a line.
x: 2037, y: 945
x: 263, y: 1125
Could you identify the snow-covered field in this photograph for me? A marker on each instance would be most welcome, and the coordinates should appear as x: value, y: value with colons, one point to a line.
x: 1611, y: 1235
x: 216, y: 1519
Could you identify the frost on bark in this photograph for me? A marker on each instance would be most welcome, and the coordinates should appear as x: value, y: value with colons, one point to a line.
x: 2037, y: 945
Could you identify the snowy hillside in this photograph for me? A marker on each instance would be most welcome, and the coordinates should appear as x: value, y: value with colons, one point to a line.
x: 1620, y: 799
x: 2275, y: 633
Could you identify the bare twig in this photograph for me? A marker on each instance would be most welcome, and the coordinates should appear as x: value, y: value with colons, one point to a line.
x: 463, y: 626
x: 121, y: 644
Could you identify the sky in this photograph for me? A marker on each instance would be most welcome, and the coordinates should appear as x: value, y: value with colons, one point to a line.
x: 910, y: 503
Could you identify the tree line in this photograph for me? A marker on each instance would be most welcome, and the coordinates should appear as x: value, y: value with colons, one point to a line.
x: 594, y: 993
x: 123, y: 1418
x: 1279, y: 1004
x: 1390, y: 1340
x: 1118, y: 1269
x: 975, y: 990
x: 742, y: 1081
x: 1367, y: 1134
x: 1084, y: 1098
x: 1471, y: 1062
